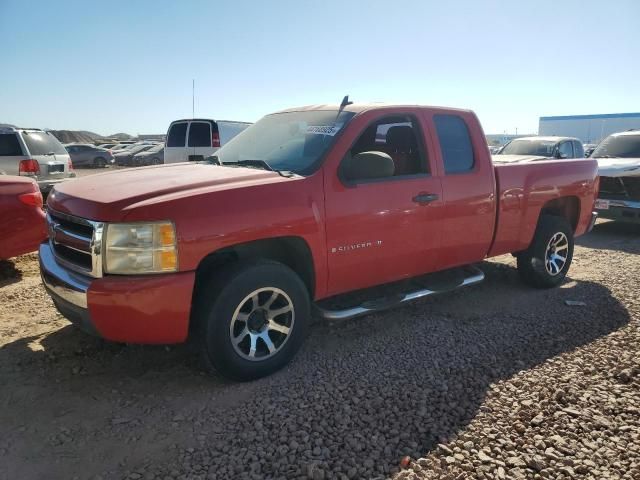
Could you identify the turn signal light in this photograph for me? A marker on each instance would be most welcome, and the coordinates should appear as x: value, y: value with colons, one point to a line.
x: 33, y: 199
x: 215, y: 139
x: 28, y: 167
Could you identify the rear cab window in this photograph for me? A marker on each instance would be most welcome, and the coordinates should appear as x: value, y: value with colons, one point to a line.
x: 455, y: 143
x: 578, y: 149
x: 177, y: 135
x: 9, y: 145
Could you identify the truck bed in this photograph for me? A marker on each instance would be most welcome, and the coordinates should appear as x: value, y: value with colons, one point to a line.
x: 526, y: 188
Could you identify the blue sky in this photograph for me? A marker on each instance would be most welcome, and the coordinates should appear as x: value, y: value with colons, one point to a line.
x: 114, y: 66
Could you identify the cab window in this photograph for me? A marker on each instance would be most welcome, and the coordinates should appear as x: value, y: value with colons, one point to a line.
x: 455, y: 143
x: 565, y: 150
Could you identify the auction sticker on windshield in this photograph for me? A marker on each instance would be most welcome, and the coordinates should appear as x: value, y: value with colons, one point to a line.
x: 330, y: 130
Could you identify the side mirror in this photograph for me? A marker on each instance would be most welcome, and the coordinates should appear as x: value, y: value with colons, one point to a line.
x: 368, y: 165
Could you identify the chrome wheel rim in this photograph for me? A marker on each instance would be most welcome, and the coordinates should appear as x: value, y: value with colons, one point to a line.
x: 556, y: 254
x: 262, y: 324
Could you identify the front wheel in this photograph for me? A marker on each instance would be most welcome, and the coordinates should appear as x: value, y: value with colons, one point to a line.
x: 99, y: 162
x: 546, y: 262
x: 251, y: 319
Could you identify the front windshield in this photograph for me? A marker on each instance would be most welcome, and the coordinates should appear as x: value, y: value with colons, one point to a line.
x: 541, y: 148
x: 623, y: 146
x: 291, y: 141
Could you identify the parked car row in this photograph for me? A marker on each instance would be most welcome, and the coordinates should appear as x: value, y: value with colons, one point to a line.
x: 618, y: 158
x: 86, y: 155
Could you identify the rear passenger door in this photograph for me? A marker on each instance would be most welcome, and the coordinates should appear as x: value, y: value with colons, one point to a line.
x: 469, y: 210
x: 199, y: 141
x: 175, y: 147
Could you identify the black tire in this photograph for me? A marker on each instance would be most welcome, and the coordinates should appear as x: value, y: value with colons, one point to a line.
x: 156, y: 161
x: 99, y: 162
x: 222, y: 298
x: 536, y: 265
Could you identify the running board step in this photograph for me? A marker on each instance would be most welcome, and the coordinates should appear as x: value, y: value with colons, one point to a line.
x: 430, y: 285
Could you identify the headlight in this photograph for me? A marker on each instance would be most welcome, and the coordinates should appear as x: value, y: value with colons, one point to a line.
x: 138, y: 248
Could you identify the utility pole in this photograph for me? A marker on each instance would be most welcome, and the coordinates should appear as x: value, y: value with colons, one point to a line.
x: 193, y: 98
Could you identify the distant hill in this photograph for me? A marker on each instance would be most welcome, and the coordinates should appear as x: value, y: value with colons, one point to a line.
x: 82, y: 136
x: 76, y: 136
x: 121, y: 136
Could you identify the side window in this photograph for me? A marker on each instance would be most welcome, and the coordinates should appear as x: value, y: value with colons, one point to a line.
x: 9, y: 145
x: 71, y: 149
x: 455, y: 143
x: 393, y: 149
x: 566, y: 150
x: 578, y: 149
x: 177, y: 134
x: 199, y: 134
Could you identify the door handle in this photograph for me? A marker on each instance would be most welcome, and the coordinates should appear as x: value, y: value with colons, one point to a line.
x: 424, y: 198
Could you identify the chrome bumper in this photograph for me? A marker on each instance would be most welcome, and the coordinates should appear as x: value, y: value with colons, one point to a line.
x: 61, y: 283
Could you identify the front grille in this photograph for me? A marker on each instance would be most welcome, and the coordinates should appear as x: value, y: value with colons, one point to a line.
x: 76, y: 242
x: 620, y: 188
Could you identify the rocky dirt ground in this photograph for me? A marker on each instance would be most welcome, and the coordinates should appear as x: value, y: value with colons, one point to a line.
x: 496, y: 381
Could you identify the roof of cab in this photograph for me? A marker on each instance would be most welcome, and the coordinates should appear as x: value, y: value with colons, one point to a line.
x: 361, y: 107
x: 633, y: 131
x: 208, y: 120
x: 548, y: 138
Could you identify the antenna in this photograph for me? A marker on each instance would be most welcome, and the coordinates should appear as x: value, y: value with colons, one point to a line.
x: 193, y: 98
x: 345, y: 102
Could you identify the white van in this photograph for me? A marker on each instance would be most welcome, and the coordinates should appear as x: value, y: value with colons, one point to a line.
x: 197, y: 138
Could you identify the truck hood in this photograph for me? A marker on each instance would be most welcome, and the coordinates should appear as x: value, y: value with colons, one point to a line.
x: 111, y: 196
x: 517, y: 158
x: 618, y: 167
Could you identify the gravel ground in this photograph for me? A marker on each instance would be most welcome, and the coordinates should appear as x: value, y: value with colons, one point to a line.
x: 495, y: 381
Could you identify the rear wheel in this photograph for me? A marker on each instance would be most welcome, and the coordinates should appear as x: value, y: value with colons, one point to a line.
x: 251, y: 319
x: 156, y: 161
x: 546, y: 262
x: 99, y: 162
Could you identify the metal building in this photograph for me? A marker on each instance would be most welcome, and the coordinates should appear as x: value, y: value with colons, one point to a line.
x: 588, y: 128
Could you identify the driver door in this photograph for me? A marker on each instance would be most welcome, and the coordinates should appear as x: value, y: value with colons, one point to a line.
x: 383, y: 229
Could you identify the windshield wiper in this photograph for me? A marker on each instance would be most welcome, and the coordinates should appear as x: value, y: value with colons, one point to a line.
x: 259, y: 164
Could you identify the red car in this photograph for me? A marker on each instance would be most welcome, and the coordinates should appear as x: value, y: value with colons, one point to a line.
x: 306, y: 204
x: 22, y: 220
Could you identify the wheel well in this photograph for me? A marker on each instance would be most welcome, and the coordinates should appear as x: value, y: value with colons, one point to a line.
x: 291, y: 251
x: 567, y: 207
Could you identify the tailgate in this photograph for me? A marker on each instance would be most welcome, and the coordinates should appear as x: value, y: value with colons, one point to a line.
x: 53, y: 167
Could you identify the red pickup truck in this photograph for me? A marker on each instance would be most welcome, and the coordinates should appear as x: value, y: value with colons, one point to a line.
x: 306, y: 204
x: 22, y: 223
